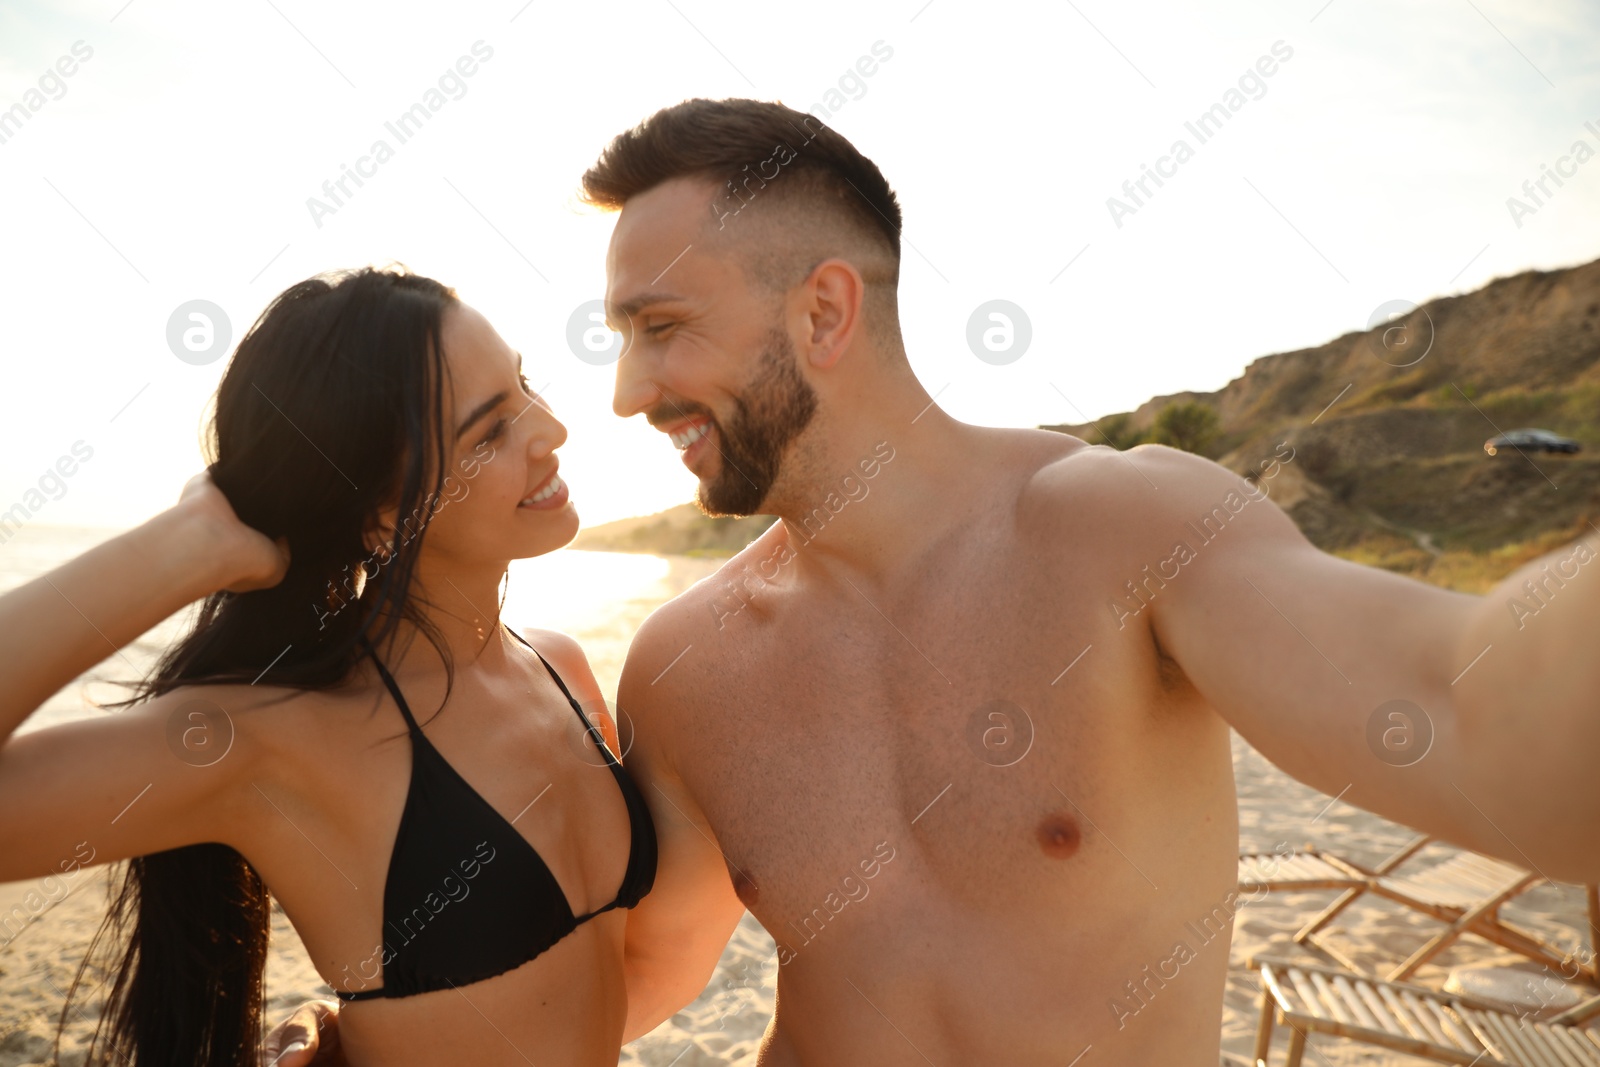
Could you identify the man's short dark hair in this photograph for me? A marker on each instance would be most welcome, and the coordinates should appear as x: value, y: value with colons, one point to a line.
x: 752, y: 149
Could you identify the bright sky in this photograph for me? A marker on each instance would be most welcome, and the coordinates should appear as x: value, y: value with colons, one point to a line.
x: 175, y: 164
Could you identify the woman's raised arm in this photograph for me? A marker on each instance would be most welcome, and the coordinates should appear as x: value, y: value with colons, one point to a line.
x: 59, y: 625
x: 65, y: 789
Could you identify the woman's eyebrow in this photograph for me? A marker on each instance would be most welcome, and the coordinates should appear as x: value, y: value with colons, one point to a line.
x: 487, y: 406
x: 481, y: 410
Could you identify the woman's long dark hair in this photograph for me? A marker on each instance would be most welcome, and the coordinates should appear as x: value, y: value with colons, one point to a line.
x: 326, y: 414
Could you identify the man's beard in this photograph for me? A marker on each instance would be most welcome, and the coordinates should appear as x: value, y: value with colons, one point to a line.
x: 774, y: 408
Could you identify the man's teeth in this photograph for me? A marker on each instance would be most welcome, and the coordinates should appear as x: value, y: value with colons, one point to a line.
x: 688, y: 436
x: 555, y: 486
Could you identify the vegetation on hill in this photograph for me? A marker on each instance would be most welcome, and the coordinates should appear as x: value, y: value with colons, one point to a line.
x: 681, y: 531
x: 1189, y: 425
x: 1389, y: 465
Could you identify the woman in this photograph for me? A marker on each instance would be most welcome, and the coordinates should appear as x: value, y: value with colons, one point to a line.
x: 347, y: 722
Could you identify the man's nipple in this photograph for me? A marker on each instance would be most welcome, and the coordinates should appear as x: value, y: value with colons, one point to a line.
x: 1058, y: 835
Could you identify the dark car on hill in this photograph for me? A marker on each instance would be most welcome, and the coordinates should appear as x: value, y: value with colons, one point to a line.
x: 1530, y: 441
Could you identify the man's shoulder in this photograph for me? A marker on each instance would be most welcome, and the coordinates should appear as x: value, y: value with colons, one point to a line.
x: 691, y: 610
x: 689, y: 621
x: 1140, y: 483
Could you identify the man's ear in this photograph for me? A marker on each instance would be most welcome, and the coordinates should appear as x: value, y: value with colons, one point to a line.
x: 831, y: 303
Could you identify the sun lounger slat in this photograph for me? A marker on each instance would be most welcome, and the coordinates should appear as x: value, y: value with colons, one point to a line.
x: 1358, y: 1010
x: 1463, y: 881
x: 1494, y: 869
x: 1380, y: 1011
x: 1473, y: 864
x: 1453, y: 895
x: 1456, y: 1028
x: 1491, y: 874
x: 1332, y: 999
x: 1541, y: 1043
x: 1494, y: 886
x: 1403, y: 1013
x: 1411, y: 889
x: 1303, y: 871
x: 1311, y: 1004
x: 1499, y: 1034
x: 1586, y: 1052
x: 1429, y: 1016
x: 1460, y: 882
x: 1536, y: 1048
x: 1568, y: 1052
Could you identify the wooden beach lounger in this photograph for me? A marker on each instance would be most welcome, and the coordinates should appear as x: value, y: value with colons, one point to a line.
x: 1443, y: 1027
x: 1464, y: 892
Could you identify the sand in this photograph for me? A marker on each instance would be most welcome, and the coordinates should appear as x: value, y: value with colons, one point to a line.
x: 724, y: 1026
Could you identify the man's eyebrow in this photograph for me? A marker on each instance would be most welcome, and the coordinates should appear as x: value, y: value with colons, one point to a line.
x: 632, y: 307
x: 487, y: 406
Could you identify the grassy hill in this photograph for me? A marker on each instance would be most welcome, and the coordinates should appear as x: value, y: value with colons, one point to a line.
x: 1389, y: 463
x: 681, y: 531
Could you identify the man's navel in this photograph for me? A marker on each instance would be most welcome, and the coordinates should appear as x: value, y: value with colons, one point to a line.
x: 1058, y: 835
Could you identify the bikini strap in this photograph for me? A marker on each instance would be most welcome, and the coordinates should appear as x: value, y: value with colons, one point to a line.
x: 394, y: 689
x: 594, y: 731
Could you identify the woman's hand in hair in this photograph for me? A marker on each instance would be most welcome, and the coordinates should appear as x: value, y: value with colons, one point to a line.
x: 248, y: 558
x: 308, y: 1038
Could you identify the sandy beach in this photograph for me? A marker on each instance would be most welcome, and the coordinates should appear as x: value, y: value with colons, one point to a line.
x: 723, y: 1027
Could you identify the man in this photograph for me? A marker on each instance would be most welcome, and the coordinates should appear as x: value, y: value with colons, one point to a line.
x: 955, y: 730
x: 982, y: 652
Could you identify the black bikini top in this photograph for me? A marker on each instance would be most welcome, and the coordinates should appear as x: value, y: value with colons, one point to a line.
x: 467, y: 897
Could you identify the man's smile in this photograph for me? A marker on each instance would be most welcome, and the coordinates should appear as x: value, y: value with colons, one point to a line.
x: 691, y: 436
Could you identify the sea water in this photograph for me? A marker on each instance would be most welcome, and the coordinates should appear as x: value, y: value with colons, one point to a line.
x: 598, y: 597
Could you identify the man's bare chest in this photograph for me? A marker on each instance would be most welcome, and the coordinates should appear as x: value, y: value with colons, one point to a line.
x: 971, y: 738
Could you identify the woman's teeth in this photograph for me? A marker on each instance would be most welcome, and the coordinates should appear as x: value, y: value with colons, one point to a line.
x: 688, y: 436
x: 555, y: 486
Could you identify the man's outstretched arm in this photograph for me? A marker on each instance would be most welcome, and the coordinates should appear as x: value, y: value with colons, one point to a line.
x: 1463, y: 716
